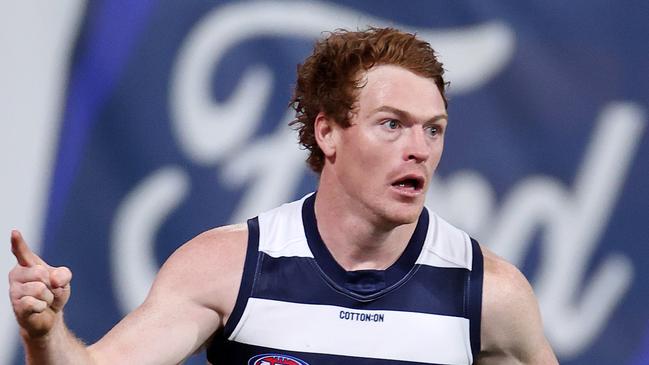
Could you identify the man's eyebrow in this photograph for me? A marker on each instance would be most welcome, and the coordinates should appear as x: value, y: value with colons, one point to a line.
x: 405, y: 115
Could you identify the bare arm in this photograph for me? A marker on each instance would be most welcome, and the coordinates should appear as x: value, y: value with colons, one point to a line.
x: 190, y: 299
x: 511, y: 331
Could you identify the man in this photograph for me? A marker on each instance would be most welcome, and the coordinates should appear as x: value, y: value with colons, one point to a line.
x: 358, y: 273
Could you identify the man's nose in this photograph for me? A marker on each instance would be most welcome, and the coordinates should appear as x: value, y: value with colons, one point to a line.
x: 417, y: 145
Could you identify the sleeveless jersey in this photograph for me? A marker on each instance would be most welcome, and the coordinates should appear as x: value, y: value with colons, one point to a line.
x: 296, y: 305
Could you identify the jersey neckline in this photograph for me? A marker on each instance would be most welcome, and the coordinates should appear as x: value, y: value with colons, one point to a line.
x: 362, y: 284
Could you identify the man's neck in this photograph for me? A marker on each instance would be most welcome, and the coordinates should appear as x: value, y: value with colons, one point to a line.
x: 357, y: 238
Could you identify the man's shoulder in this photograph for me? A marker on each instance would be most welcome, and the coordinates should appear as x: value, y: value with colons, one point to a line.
x: 505, y: 288
x: 502, y: 272
x: 223, y: 237
x: 208, y: 267
x: 213, y: 249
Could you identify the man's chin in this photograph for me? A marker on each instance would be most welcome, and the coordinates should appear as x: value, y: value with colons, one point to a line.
x: 404, y: 214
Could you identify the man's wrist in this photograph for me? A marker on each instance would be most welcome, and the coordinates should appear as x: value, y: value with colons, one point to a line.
x: 41, y: 339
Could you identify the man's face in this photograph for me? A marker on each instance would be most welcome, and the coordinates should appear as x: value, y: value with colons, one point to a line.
x: 384, y: 161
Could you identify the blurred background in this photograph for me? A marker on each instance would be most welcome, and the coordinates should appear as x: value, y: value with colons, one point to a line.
x: 128, y: 127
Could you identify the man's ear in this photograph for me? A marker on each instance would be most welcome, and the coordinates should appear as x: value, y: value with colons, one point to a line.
x: 325, y: 130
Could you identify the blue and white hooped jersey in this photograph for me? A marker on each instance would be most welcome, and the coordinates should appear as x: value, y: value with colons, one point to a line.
x: 296, y: 305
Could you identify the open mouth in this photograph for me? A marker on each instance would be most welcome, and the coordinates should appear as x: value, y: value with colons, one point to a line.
x: 409, y: 183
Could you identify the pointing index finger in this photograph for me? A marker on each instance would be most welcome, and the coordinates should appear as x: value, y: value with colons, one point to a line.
x: 23, y: 254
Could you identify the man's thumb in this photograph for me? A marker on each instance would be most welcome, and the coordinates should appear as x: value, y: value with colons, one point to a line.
x: 60, y: 277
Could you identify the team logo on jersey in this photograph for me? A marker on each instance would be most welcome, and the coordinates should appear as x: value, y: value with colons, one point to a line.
x: 275, y: 359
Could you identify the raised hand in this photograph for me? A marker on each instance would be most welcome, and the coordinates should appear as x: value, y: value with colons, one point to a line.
x: 38, y: 291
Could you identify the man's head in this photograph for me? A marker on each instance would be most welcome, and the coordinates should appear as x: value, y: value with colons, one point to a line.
x: 329, y: 80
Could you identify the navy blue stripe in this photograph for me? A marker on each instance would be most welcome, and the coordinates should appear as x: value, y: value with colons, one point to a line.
x: 429, y: 290
x: 474, y: 289
x: 238, y: 353
x: 247, y: 280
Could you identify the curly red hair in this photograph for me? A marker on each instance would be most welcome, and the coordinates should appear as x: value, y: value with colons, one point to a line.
x: 329, y: 79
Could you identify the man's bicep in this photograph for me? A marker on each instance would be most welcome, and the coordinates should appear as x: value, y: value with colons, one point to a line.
x: 512, y: 330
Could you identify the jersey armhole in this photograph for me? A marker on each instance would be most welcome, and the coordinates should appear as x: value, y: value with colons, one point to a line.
x: 247, y: 279
x: 474, y: 310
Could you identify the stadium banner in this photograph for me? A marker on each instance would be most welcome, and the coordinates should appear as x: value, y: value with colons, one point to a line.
x: 175, y: 121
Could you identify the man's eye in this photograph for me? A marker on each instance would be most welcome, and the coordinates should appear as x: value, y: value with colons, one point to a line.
x: 391, y: 123
x: 434, y: 130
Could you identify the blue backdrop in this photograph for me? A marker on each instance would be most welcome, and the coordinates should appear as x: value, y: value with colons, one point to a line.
x: 175, y: 122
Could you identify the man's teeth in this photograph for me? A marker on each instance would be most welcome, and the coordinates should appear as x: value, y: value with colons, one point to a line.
x: 406, y: 184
